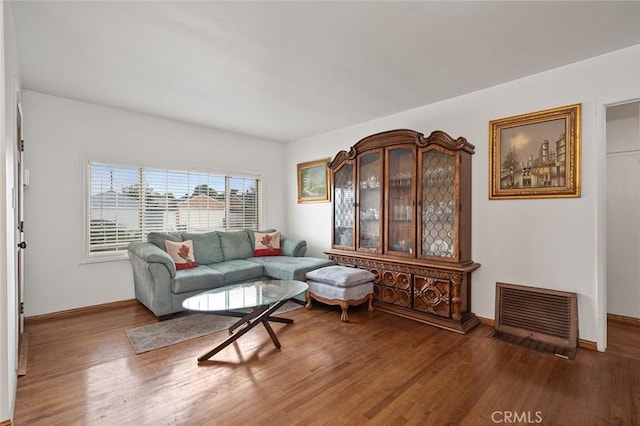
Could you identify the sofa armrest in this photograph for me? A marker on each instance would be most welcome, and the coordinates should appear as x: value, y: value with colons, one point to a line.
x: 152, y: 254
x: 292, y: 247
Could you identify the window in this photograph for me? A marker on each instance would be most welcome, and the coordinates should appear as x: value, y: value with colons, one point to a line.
x: 126, y: 203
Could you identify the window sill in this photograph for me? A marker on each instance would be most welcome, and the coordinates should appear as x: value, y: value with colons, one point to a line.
x: 104, y: 257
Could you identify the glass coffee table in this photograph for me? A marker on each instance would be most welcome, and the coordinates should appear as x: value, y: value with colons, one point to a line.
x: 263, y: 298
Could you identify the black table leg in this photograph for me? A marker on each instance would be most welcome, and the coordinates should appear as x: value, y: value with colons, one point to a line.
x: 253, y: 318
x: 272, y: 333
x: 247, y: 317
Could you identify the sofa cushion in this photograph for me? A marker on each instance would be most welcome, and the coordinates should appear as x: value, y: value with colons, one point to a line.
x: 235, y: 271
x: 235, y: 245
x: 200, y: 278
x: 206, y: 247
x: 158, y: 238
x: 267, y: 243
x: 340, y: 276
x: 181, y: 253
x: 288, y: 267
x: 251, y: 234
x: 329, y: 291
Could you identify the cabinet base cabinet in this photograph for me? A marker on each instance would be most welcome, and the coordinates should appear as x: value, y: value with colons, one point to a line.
x: 463, y: 326
x: 433, y: 293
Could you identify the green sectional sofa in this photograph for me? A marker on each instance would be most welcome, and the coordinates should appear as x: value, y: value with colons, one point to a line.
x: 223, y: 258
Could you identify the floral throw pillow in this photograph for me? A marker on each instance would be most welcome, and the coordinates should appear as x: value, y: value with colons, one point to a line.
x: 267, y: 244
x: 181, y: 253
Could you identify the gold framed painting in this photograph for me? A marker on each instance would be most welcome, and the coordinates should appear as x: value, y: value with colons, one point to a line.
x: 314, y: 182
x: 536, y: 155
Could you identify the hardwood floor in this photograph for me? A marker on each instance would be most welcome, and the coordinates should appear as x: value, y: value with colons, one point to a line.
x: 377, y: 369
x: 623, y: 338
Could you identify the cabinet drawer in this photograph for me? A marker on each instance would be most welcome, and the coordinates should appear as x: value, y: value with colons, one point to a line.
x: 432, y: 295
x: 392, y: 295
x: 394, y: 287
x: 396, y: 279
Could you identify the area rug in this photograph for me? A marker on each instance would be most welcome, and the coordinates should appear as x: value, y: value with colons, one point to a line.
x: 187, y: 327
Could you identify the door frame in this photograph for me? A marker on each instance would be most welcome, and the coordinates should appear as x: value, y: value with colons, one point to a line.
x: 601, y: 212
x: 19, y: 215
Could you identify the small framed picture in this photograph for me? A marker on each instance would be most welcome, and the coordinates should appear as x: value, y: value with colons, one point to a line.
x: 536, y: 155
x: 314, y: 182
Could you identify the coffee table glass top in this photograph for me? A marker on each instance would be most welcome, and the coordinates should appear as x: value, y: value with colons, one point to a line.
x: 245, y: 295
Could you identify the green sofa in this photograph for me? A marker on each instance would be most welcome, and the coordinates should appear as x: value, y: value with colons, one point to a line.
x: 223, y: 258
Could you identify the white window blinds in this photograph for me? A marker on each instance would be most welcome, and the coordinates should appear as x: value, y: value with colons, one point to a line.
x: 126, y: 203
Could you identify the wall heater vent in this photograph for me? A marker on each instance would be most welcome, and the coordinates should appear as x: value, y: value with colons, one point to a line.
x: 549, y: 317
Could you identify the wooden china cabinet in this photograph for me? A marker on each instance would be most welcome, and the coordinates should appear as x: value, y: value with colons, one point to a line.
x: 402, y: 210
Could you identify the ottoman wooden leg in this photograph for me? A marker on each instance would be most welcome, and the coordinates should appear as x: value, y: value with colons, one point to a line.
x: 371, y: 302
x: 308, y: 297
x: 345, y: 307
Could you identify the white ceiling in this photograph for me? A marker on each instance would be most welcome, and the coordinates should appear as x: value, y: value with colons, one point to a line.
x: 287, y: 70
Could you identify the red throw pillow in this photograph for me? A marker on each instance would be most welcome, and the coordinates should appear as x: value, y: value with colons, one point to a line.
x: 267, y: 244
x: 181, y: 253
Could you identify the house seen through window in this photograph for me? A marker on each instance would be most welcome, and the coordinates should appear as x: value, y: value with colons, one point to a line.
x: 126, y: 203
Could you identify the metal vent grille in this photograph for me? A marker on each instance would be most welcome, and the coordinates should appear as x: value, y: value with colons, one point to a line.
x: 542, y: 315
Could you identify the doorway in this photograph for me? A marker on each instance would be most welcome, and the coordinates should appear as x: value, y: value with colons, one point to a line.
x: 623, y: 226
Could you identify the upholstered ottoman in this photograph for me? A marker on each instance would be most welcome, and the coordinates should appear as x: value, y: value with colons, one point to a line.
x: 340, y: 285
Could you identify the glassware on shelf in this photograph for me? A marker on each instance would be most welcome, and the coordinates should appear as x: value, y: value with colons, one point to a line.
x: 370, y: 202
x: 401, y: 200
x: 439, y: 175
x: 343, y: 236
x: 370, y: 214
x: 402, y: 246
x: 402, y: 212
x: 402, y: 179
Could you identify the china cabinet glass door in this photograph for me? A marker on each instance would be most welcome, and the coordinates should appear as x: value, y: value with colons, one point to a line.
x: 438, y: 200
x: 343, y: 207
x: 400, y: 202
x: 370, y: 202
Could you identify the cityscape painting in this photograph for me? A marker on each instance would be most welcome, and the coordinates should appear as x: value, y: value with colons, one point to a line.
x: 536, y: 155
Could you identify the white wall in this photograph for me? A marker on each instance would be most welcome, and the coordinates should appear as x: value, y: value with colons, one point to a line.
x: 60, y: 135
x: 546, y: 243
x: 623, y: 210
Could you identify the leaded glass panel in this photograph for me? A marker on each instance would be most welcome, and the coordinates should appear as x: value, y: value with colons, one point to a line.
x: 438, y: 204
x: 343, y: 205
